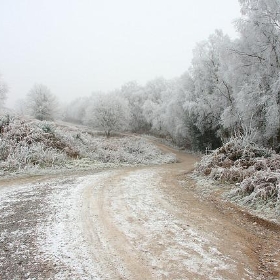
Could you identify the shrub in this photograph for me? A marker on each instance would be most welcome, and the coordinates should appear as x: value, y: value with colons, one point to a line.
x: 263, y: 184
x: 255, y: 170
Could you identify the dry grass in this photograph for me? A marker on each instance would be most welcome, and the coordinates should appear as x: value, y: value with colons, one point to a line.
x: 254, y: 170
x: 33, y: 144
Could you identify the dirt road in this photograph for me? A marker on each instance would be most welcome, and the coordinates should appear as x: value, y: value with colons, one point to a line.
x: 130, y: 223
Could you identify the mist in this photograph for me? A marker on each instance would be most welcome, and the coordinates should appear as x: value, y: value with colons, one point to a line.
x: 77, y: 47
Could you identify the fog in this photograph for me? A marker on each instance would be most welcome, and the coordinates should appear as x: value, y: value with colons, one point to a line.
x: 77, y: 47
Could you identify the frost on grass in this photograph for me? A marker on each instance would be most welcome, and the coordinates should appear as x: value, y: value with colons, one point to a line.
x: 166, y: 241
x: 254, y: 172
x: 33, y: 145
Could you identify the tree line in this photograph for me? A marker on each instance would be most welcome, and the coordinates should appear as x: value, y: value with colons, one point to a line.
x: 231, y: 88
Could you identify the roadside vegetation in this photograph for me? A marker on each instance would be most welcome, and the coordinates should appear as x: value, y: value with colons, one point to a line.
x: 32, y: 144
x: 251, y: 171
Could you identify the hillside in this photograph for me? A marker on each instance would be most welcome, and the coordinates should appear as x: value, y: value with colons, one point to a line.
x: 32, y: 146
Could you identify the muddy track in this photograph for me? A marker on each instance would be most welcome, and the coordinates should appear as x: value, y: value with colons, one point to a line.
x: 137, y: 223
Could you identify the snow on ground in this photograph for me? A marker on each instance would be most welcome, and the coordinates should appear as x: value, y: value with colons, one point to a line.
x: 41, y: 236
x: 58, y: 232
x: 114, y: 224
x: 22, y: 209
x: 206, y: 186
x: 175, y: 246
x: 62, y: 238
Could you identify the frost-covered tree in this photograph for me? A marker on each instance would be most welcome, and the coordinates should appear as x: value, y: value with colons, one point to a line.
x: 153, y: 108
x: 21, y: 107
x: 174, y: 117
x: 209, y: 92
x: 42, y: 104
x: 258, y: 55
x: 135, y: 96
x: 235, y: 85
x: 76, y: 109
x: 3, y: 92
x: 158, y: 108
x: 108, y: 112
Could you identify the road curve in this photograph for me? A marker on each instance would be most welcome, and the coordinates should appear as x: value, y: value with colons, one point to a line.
x: 141, y: 223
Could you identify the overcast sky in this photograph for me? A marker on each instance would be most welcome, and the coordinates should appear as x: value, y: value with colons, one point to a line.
x: 76, y: 47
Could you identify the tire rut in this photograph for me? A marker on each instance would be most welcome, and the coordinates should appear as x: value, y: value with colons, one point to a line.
x: 113, y: 247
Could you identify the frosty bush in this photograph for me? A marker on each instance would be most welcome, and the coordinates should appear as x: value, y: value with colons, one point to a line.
x: 47, y: 127
x: 264, y: 185
x: 4, y: 121
x: 254, y: 169
x: 24, y: 144
x: 236, y: 160
x: 24, y: 156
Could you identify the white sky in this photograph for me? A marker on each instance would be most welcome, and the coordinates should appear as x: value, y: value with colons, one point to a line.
x: 78, y: 46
